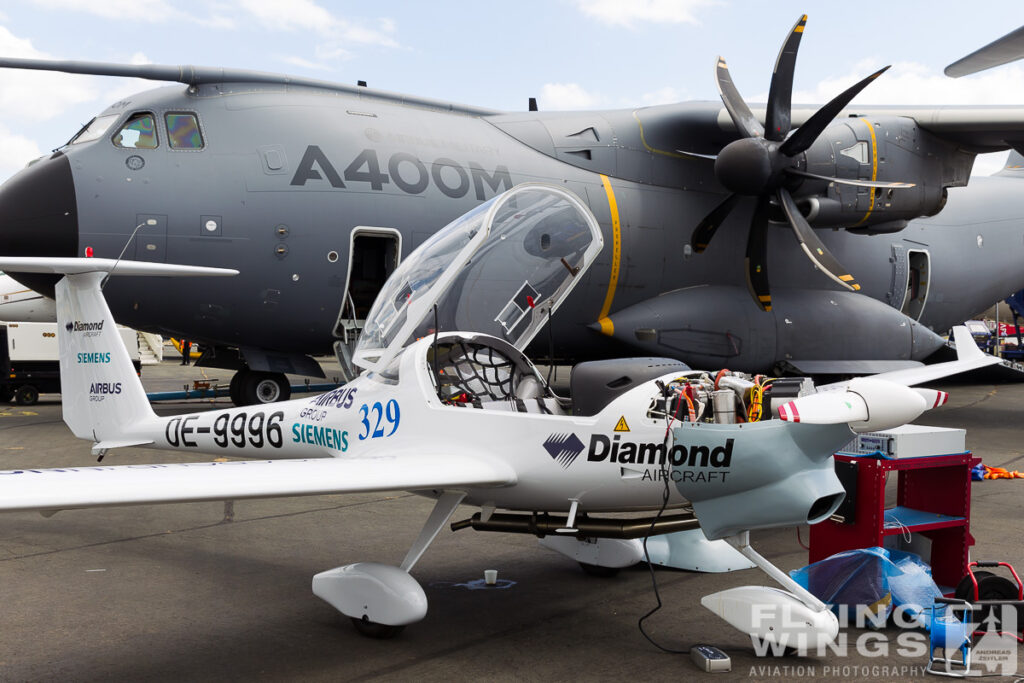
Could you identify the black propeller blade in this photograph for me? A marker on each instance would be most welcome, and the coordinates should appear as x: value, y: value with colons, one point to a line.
x: 761, y: 161
x: 755, y: 263
x: 780, y: 94
x: 812, y: 246
x: 806, y: 134
x: 705, y: 230
x: 882, y: 184
x: 741, y: 115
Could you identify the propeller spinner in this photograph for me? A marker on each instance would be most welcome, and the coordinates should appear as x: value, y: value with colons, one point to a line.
x: 764, y: 161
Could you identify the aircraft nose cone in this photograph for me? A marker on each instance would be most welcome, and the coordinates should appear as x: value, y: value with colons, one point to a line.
x: 39, y: 216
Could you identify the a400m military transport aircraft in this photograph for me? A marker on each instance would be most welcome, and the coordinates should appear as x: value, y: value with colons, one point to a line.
x: 450, y: 408
x: 314, y: 190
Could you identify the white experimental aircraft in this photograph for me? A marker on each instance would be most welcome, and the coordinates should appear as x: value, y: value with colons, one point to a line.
x: 465, y: 418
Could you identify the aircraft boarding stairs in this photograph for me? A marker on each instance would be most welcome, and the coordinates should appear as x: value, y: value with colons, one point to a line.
x: 151, y: 348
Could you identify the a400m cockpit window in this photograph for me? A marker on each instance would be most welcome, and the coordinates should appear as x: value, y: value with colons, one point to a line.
x: 138, y: 132
x: 94, y: 129
x: 183, y: 131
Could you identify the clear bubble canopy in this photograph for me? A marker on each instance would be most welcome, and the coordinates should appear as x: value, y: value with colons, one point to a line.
x: 498, y: 269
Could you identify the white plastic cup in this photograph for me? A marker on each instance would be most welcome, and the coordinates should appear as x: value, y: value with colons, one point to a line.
x: 490, y: 576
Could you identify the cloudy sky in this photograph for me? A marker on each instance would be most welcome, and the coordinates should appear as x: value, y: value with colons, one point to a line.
x: 569, y: 54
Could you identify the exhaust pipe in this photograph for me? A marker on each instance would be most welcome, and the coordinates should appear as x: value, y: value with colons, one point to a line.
x: 540, y: 525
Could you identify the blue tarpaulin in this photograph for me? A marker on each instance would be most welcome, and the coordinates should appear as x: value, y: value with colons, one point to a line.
x: 875, y: 579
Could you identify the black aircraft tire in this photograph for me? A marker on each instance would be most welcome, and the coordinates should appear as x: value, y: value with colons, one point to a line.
x: 261, y: 388
x: 598, y: 570
x: 26, y: 395
x: 235, y: 388
x: 372, y: 629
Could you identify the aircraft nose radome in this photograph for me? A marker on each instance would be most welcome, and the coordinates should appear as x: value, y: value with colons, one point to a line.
x: 39, y: 216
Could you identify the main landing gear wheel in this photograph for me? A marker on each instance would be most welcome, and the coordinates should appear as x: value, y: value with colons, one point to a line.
x: 372, y: 629
x: 249, y: 387
x: 26, y: 395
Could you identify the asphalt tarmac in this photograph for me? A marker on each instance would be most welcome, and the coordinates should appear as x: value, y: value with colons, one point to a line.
x: 214, y: 591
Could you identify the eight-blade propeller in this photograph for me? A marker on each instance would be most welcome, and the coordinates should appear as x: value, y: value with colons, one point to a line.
x: 764, y: 160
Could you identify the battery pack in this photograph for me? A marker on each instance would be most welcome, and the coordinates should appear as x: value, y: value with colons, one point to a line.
x: 909, y: 441
x: 710, y: 659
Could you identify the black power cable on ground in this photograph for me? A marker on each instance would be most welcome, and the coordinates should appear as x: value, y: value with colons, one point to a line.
x: 666, y: 493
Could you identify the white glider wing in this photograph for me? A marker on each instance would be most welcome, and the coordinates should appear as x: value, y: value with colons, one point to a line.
x: 968, y: 357
x: 100, y: 486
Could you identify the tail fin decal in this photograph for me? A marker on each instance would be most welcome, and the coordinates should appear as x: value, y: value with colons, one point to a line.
x: 95, y: 369
x: 102, y: 396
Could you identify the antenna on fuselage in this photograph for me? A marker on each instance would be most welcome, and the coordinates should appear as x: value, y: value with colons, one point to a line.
x: 148, y: 221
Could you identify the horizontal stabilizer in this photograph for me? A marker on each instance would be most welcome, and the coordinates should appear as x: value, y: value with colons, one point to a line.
x: 1004, y: 50
x: 82, y: 487
x: 104, y: 446
x: 75, y: 266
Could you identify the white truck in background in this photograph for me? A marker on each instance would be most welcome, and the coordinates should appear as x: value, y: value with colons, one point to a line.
x: 29, y: 359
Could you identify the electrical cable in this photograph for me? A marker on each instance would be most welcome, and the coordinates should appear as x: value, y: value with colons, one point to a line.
x: 664, y: 504
x: 666, y: 493
x: 800, y: 540
x: 551, y: 346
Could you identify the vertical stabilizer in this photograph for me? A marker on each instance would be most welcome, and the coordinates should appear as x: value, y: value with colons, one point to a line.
x: 103, y: 398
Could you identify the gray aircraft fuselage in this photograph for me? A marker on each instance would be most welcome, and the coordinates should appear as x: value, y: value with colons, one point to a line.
x: 286, y: 176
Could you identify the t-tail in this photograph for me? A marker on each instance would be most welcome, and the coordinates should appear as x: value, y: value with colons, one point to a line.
x: 103, y: 398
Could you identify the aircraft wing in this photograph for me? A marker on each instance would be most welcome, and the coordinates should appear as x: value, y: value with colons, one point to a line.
x: 81, y: 487
x: 977, y: 128
x: 968, y: 357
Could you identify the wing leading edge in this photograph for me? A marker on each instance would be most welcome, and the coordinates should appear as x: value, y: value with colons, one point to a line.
x: 82, y: 487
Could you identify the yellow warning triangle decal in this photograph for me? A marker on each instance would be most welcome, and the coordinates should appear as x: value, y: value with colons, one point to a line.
x: 621, y: 425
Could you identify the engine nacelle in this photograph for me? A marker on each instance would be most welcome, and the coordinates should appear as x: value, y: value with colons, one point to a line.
x: 770, y: 474
x: 719, y: 326
x: 892, y: 149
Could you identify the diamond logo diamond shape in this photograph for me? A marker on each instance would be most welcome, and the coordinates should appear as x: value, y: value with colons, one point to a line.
x: 564, y: 448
